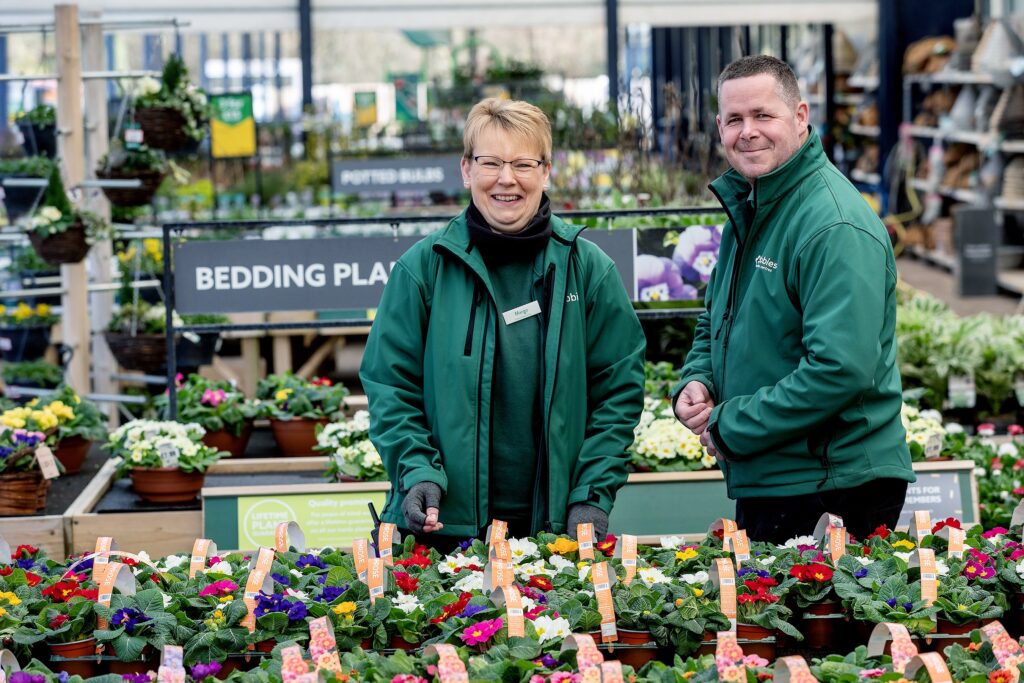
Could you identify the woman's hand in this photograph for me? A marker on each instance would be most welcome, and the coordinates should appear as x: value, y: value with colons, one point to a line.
x: 420, y: 508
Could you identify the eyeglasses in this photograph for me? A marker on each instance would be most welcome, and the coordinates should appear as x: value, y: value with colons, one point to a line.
x: 491, y: 166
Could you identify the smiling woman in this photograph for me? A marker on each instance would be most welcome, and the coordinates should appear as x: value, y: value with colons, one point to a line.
x: 474, y: 325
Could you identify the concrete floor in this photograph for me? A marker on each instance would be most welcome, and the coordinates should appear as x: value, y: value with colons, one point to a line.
x: 942, y: 285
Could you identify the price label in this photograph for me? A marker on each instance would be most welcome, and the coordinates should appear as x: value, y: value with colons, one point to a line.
x: 602, y: 590
x: 47, y: 463
x: 361, y: 557
x: 962, y: 391
x: 585, y: 537
x: 168, y: 454
x: 133, y: 136
x: 933, y: 446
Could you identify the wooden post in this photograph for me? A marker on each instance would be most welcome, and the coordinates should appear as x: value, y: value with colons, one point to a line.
x: 72, y: 153
x: 101, y: 304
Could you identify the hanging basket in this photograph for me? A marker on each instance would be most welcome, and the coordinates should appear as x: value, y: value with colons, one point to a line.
x: 22, y: 493
x: 163, y: 128
x: 19, y: 344
x: 64, y: 247
x: 131, y: 196
x: 39, y: 140
x: 144, y: 352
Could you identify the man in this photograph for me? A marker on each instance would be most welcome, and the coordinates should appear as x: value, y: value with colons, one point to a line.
x: 792, y: 381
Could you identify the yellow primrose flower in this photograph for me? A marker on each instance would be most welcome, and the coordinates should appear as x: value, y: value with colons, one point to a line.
x: 151, y: 245
x: 33, y: 403
x: 227, y: 598
x: 282, y: 395
x: 687, y: 554
x: 2, y: 611
x: 698, y: 592
x: 23, y: 312
x: 563, y: 546
x: 43, y: 309
x: 906, y: 545
x: 961, y: 606
x: 10, y: 597
x: 345, y: 608
x: 12, y: 421
x: 218, y: 615
x: 44, y: 419
x: 61, y: 410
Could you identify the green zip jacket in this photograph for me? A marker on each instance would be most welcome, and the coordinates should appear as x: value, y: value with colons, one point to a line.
x: 429, y: 362
x: 797, y: 346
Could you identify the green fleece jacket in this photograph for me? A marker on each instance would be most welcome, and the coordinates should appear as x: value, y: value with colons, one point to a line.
x: 797, y: 346
x: 429, y: 365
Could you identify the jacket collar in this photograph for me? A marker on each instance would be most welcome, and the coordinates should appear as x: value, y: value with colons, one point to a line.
x: 455, y: 239
x: 733, y: 189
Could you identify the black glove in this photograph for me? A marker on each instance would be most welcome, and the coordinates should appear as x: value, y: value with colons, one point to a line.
x: 581, y: 513
x: 423, y: 495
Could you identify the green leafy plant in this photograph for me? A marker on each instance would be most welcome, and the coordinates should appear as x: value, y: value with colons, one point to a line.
x: 212, y: 404
x: 286, y: 396
x: 83, y: 418
x: 24, y: 315
x: 32, y: 373
x: 142, y: 158
x: 139, y: 443
x: 49, y: 221
x: 136, y: 621
x: 40, y: 115
x: 175, y: 91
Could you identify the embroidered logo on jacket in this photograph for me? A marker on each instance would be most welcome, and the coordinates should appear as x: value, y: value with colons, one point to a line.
x: 765, y: 264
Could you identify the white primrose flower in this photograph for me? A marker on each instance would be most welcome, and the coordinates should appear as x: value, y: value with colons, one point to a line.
x: 652, y: 575
x: 174, y: 561
x: 407, y: 603
x: 451, y: 564
x: 222, y: 567
x: 536, y: 568
x: 800, y: 540
x: 522, y: 549
x: 550, y: 629
x: 560, y: 563
x: 473, y: 582
x: 671, y: 542
x: 695, y: 579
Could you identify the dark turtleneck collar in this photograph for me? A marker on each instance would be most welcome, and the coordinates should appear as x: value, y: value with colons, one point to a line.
x: 503, y: 247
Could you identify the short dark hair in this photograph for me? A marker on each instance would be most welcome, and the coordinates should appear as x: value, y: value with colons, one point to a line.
x: 755, y: 65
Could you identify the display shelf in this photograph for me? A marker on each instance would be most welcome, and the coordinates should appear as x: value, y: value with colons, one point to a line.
x: 952, y: 78
x: 848, y: 99
x: 932, y: 257
x: 957, y: 193
x: 1012, y: 146
x: 984, y: 141
x: 1009, y: 204
x: 864, y: 82
x: 865, y: 131
x: 865, y: 177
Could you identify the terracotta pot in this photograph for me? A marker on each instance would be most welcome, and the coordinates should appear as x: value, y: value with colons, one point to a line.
x: 267, y: 645
x: 296, y: 437
x: 84, y: 651
x: 166, y: 484
x: 756, y: 640
x: 139, y: 666
x: 72, y: 452
x: 399, y: 643
x: 947, y: 634
x: 634, y: 648
x: 823, y: 625
x: 223, y: 440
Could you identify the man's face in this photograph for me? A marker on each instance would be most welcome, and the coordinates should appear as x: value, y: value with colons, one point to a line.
x: 759, y: 130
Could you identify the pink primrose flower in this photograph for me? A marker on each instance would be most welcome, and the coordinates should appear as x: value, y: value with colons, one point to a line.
x: 480, y: 633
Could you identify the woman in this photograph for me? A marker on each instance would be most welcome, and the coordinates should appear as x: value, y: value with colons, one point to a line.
x: 504, y: 370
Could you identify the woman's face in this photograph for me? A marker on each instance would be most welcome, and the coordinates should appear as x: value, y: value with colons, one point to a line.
x: 510, y: 196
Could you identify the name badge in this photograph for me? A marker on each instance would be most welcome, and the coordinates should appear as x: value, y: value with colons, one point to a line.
x: 522, y: 313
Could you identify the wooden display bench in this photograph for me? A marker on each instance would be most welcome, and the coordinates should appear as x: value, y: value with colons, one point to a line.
x: 46, y: 532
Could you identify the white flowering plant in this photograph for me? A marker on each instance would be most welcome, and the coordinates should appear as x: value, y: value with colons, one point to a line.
x: 663, y: 444
x: 922, y: 427
x: 48, y: 221
x: 350, y: 449
x: 174, y: 90
x: 151, y: 444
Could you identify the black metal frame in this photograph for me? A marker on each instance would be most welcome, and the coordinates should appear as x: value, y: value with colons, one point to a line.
x: 172, y: 229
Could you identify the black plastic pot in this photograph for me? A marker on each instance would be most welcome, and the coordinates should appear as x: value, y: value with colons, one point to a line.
x: 19, y: 344
x: 19, y: 201
x: 191, y: 355
x: 39, y: 140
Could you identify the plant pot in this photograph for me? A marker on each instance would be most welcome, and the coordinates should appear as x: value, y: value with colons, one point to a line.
x: 72, y: 452
x: 189, y: 355
x: 166, y: 484
x: 19, y: 201
x: 633, y: 648
x: 163, y: 128
x: 223, y: 440
x: 947, y: 633
x: 119, y: 668
x: 131, y: 196
x: 296, y: 437
x: 824, y: 625
x: 756, y: 640
x: 145, y: 352
x: 19, y: 344
x: 22, y: 493
x: 267, y: 645
x: 397, y: 642
x: 64, y: 247
x: 40, y: 140
x: 82, y: 650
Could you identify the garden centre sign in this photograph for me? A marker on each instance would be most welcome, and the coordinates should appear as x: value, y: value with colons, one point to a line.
x: 315, y: 274
x: 434, y: 173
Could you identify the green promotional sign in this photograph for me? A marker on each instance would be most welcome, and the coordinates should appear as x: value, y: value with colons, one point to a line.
x: 406, y: 97
x: 326, y: 518
x: 232, y: 126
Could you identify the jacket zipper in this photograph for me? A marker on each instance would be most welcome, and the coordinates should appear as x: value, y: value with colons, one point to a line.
x: 539, y: 504
x: 479, y: 420
x: 477, y: 297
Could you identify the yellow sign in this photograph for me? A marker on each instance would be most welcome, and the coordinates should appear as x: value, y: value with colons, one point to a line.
x: 232, y: 126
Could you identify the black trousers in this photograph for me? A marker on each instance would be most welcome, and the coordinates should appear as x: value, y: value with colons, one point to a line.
x: 863, y: 508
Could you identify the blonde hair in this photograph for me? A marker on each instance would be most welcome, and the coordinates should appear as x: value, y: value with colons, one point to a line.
x: 519, y: 118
